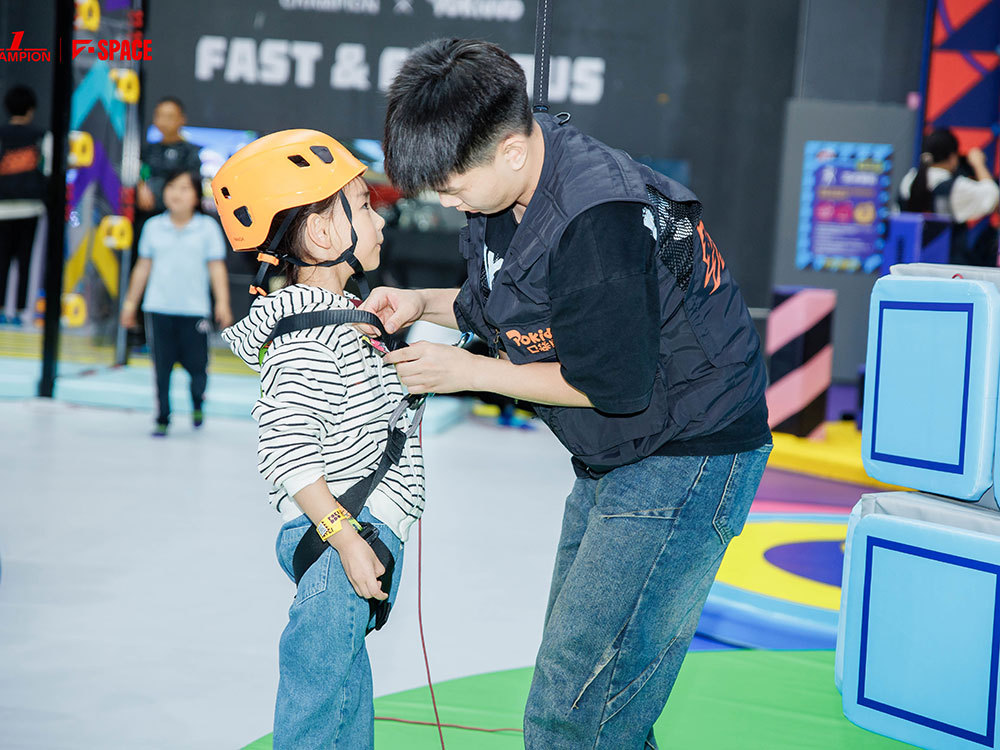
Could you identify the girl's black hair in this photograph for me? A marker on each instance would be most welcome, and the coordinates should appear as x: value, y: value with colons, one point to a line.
x: 195, y: 183
x: 938, y: 147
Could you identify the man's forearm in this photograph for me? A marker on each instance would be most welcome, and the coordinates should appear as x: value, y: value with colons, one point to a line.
x: 439, y: 306
x: 539, y: 382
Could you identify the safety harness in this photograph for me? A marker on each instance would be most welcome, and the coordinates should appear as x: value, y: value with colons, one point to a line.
x: 311, y: 547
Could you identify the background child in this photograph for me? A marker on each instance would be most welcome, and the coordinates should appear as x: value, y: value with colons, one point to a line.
x: 326, y: 403
x: 181, y: 253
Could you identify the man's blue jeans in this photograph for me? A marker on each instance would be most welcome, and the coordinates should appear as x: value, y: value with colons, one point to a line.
x: 639, y: 550
x: 325, y: 684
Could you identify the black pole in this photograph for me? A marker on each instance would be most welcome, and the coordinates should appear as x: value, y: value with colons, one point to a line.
x: 542, y: 56
x: 925, y: 70
x: 62, y: 90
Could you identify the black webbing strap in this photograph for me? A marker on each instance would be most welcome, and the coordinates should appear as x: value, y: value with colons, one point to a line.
x: 542, y: 56
x: 320, y: 318
x: 310, y: 548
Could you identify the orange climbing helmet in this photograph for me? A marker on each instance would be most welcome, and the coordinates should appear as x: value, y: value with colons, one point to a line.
x: 283, y: 170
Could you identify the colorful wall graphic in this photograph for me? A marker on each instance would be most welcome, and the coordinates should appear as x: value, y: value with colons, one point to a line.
x: 844, y: 206
x: 103, y: 157
x: 963, y: 79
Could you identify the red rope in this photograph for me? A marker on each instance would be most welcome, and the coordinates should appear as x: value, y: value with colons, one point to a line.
x: 420, y: 621
x: 450, y: 726
x: 427, y: 665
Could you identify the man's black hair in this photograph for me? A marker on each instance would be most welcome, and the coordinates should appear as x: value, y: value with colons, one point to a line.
x: 449, y: 107
x: 171, y: 100
x: 19, y: 100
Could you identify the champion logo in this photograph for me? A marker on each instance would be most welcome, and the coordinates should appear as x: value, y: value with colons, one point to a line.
x: 16, y: 53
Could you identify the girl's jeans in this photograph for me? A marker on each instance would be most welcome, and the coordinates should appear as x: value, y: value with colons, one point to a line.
x: 638, y: 553
x: 325, y: 684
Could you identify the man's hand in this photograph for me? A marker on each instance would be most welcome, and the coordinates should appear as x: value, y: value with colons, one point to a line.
x: 434, y: 368
x: 360, y: 563
x: 976, y: 158
x: 396, y: 308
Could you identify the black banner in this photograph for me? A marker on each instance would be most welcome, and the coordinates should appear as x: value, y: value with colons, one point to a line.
x: 701, y: 84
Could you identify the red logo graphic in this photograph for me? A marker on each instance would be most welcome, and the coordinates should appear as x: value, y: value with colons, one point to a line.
x: 115, y: 49
x: 712, y: 258
x: 15, y: 53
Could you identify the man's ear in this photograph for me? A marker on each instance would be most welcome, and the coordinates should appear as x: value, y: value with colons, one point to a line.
x: 318, y: 231
x: 514, y: 149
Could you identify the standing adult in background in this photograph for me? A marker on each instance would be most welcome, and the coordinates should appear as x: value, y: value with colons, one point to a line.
x: 170, y: 154
x: 606, y: 303
x: 25, y: 160
x: 937, y: 187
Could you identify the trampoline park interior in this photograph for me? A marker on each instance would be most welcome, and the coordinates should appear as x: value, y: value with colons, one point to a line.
x: 140, y: 603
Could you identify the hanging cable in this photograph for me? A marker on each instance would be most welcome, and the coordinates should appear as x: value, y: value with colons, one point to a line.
x: 542, y: 56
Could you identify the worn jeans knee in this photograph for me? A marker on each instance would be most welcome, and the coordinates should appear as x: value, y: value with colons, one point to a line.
x: 629, y: 584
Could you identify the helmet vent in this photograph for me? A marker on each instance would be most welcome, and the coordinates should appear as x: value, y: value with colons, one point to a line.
x: 323, y: 153
x: 298, y: 161
x: 225, y: 193
x: 243, y: 216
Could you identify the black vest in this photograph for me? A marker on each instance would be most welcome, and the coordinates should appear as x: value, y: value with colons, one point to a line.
x: 710, y: 370
x: 21, y: 176
x: 969, y: 247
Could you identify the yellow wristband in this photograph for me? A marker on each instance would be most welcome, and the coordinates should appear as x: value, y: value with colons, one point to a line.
x: 332, y: 523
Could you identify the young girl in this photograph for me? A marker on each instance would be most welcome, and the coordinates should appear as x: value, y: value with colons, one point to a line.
x: 181, y: 253
x: 326, y: 407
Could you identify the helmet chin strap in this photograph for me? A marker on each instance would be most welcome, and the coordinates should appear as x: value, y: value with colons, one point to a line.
x: 268, y: 258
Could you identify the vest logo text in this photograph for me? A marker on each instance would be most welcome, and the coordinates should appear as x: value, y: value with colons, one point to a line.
x: 534, y: 341
x: 712, y: 258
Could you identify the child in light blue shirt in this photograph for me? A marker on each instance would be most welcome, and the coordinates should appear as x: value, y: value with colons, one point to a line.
x: 181, y: 255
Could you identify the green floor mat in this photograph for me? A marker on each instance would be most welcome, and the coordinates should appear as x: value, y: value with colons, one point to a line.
x: 723, y: 700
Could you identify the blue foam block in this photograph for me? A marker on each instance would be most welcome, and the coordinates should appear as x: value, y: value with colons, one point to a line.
x: 931, y: 385
x: 922, y: 636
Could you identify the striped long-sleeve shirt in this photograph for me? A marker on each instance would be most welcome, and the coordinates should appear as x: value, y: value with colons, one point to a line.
x: 326, y: 398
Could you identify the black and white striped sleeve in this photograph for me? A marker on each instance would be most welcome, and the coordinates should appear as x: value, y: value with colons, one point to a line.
x: 301, y: 392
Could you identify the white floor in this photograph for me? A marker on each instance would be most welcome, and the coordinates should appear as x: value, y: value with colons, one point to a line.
x: 140, y: 603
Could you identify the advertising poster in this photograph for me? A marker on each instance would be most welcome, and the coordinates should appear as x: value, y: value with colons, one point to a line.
x: 844, y: 206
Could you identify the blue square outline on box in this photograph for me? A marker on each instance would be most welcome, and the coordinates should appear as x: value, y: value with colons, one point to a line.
x: 987, y: 739
x: 968, y: 309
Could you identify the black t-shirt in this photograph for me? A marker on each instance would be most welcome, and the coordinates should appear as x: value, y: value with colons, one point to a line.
x: 160, y: 159
x: 604, y: 291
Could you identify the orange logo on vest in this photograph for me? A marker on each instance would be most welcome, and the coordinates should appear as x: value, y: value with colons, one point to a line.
x: 534, y: 342
x: 712, y: 257
x: 19, y: 160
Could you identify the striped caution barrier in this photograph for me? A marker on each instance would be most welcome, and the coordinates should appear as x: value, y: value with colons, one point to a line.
x: 800, y: 352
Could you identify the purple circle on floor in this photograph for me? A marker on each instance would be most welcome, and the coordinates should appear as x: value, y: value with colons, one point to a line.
x: 817, y: 561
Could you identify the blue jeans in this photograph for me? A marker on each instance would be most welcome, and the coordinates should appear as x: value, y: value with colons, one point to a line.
x: 639, y: 550
x: 325, y: 684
